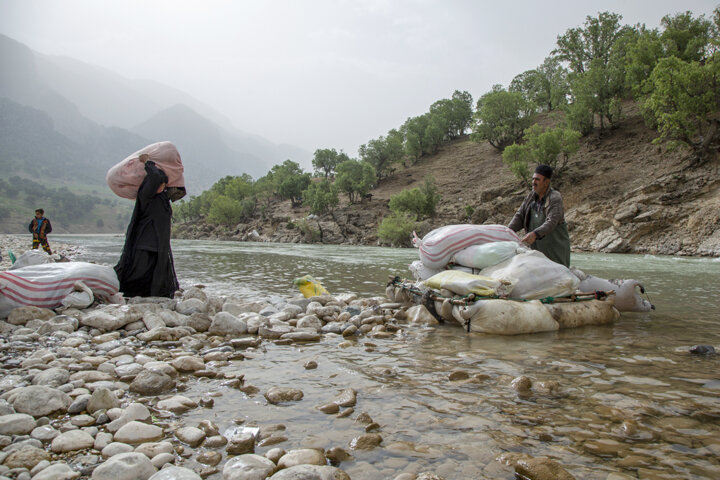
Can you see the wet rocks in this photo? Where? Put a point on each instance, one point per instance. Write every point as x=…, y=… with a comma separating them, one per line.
x=702, y=350
x=248, y=467
x=277, y=395
x=542, y=469
x=367, y=441
x=105, y=390
x=150, y=382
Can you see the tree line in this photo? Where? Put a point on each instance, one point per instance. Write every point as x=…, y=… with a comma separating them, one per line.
x=673, y=72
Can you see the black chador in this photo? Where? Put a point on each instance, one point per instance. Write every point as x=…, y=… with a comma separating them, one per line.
x=146, y=265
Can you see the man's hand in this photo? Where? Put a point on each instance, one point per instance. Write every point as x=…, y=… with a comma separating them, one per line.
x=529, y=239
x=144, y=158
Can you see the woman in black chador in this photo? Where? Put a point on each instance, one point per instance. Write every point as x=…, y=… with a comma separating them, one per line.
x=146, y=265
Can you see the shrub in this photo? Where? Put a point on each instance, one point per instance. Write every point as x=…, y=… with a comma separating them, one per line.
x=411, y=200
x=310, y=233
x=469, y=210
x=397, y=228
x=420, y=201
x=225, y=211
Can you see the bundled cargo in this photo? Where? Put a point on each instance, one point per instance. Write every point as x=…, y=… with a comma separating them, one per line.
x=463, y=283
x=439, y=246
x=48, y=285
x=534, y=276
x=125, y=177
x=485, y=255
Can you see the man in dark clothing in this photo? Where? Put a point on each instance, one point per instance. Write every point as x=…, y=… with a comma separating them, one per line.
x=40, y=227
x=542, y=215
x=146, y=266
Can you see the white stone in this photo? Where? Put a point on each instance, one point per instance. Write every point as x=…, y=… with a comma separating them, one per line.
x=136, y=432
x=188, y=363
x=193, y=436
x=125, y=466
x=302, y=456
x=311, y=472
x=225, y=323
x=248, y=467
x=175, y=473
x=17, y=424
x=116, y=448
x=152, y=449
x=37, y=400
x=58, y=471
x=177, y=404
x=71, y=441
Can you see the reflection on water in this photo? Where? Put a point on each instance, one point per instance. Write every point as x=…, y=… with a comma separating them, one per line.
x=631, y=399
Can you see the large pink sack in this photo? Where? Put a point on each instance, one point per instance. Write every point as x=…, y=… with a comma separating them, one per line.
x=438, y=246
x=125, y=177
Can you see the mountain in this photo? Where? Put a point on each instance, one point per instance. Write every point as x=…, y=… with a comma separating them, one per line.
x=31, y=147
x=85, y=100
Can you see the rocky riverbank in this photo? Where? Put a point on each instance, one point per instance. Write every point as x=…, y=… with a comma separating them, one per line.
x=100, y=393
x=622, y=194
x=19, y=244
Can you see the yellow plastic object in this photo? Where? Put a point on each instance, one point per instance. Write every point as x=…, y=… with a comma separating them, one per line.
x=310, y=287
x=462, y=283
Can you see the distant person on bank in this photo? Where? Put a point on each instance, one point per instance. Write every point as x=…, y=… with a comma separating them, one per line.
x=146, y=267
x=40, y=227
x=542, y=215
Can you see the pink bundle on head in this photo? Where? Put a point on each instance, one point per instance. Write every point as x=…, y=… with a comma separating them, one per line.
x=124, y=178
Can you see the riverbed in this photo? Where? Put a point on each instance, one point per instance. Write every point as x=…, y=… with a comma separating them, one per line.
x=632, y=402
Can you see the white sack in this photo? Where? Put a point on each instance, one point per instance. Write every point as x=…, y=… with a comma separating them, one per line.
x=32, y=257
x=506, y=317
x=81, y=297
x=438, y=246
x=421, y=272
x=485, y=255
x=534, y=276
x=627, y=296
x=45, y=286
x=463, y=283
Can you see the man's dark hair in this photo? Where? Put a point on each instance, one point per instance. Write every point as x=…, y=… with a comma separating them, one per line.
x=40, y=211
x=544, y=170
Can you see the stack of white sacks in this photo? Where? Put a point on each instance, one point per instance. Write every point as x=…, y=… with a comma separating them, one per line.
x=488, y=260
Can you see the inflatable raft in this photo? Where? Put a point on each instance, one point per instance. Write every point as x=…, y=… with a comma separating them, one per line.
x=503, y=316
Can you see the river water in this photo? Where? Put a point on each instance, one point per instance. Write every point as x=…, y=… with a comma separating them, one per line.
x=633, y=403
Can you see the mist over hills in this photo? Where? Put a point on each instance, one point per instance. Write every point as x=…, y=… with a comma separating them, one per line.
x=100, y=117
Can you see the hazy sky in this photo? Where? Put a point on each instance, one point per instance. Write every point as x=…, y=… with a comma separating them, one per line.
x=316, y=73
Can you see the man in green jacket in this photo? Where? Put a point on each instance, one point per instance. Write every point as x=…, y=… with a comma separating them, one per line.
x=543, y=217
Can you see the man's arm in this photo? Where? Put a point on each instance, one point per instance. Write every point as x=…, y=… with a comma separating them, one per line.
x=155, y=178
x=518, y=221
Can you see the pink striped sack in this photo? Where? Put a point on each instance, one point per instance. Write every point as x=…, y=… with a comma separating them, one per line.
x=46, y=285
x=438, y=246
x=125, y=178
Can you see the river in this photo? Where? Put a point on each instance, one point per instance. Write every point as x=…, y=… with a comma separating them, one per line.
x=633, y=402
